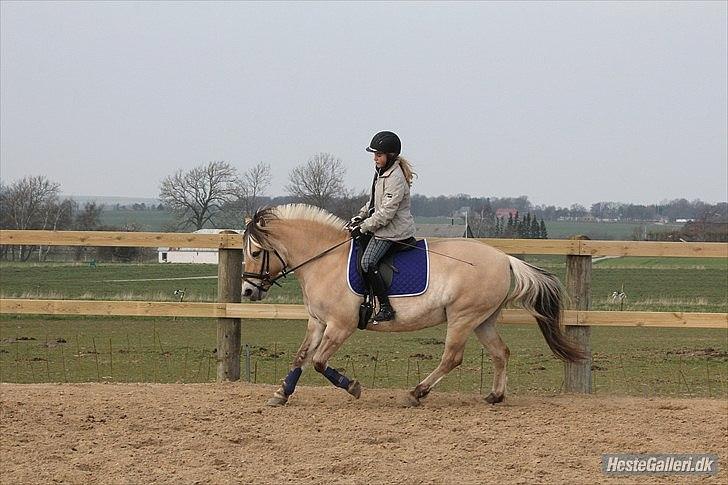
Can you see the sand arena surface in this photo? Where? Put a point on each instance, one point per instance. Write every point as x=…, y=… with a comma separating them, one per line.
x=223, y=433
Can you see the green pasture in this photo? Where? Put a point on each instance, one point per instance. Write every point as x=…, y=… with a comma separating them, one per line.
x=630, y=361
x=651, y=284
x=108, y=281
x=623, y=231
x=634, y=361
x=148, y=220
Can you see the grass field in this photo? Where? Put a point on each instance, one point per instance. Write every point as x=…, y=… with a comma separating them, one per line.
x=623, y=231
x=632, y=361
x=651, y=284
x=637, y=361
x=654, y=284
x=149, y=220
x=595, y=230
x=114, y=281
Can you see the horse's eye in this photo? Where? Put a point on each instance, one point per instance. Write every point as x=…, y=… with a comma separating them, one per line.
x=255, y=254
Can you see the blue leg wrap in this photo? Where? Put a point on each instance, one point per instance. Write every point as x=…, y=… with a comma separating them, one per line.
x=337, y=379
x=289, y=383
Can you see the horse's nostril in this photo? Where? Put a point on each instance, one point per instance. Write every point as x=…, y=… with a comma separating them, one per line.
x=247, y=292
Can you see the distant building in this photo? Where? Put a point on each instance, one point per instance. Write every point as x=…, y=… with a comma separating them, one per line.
x=505, y=213
x=192, y=255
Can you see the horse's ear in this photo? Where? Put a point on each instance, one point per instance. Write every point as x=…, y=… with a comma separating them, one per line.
x=255, y=221
x=261, y=217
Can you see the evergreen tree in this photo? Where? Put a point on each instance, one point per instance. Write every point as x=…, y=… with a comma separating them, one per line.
x=542, y=233
x=519, y=228
x=535, y=231
x=526, y=226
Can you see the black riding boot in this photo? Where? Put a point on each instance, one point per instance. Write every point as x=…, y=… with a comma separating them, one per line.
x=386, y=312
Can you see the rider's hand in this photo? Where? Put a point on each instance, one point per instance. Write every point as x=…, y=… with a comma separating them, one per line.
x=355, y=221
x=355, y=232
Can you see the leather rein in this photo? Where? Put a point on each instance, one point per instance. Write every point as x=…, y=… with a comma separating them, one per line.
x=264, y=275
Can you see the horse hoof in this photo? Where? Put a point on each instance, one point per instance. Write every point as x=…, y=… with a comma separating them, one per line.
x=354, y=389
x=493, y=399
x=277, y=401
x=411, y=401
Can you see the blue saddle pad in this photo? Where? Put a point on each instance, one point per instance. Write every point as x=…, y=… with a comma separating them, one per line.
x=410, y=278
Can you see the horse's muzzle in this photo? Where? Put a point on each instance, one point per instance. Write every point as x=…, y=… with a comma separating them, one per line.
x=252, y=292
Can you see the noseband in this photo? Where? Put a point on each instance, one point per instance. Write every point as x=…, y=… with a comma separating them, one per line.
x=264, y=275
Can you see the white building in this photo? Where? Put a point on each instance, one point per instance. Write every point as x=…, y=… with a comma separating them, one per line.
x=192, y=255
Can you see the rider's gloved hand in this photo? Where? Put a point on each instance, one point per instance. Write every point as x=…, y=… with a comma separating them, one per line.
x=355, y=232
x=355, y=221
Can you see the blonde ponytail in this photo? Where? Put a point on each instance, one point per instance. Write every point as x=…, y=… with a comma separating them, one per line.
x=406, y=166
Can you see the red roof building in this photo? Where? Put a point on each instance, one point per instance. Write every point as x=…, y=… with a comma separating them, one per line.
x=505, y=213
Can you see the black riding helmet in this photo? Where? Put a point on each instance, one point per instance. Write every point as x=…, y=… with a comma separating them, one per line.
x=385, y=142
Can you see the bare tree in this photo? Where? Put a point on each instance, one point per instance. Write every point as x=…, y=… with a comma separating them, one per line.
x=4, y=217
x=4, y=213
x=58, y=216
x=27, y=204
x=196, y=196
x=88, y=219
x=318, y=181
x=348, y=203
x=252, y=185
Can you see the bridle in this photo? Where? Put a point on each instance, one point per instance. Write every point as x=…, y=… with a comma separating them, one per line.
x=264, y=275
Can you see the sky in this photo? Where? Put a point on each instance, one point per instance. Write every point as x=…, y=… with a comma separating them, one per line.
x=565, y=102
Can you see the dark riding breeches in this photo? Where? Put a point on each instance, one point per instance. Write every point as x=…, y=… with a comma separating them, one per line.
x=376, y=249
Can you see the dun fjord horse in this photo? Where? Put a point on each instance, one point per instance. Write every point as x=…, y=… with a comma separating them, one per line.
x=467, y=297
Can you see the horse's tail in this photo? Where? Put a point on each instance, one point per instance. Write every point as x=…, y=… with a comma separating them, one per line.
x=541, y=294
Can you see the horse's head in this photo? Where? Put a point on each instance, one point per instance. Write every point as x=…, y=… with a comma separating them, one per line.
x=275, y=236
x=263, y=263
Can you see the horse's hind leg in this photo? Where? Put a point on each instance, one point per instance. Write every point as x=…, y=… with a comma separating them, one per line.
x=498, y=350
x=452, y=357
x=314, y=332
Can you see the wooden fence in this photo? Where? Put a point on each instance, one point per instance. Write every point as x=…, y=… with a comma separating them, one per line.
x=229, y=310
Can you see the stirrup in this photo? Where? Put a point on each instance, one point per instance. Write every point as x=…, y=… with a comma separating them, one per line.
x=385, y=313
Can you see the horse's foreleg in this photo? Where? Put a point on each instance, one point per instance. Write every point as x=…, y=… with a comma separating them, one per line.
x=455, y=340
x=499, y=353
x=333, y=339
x=314, y=333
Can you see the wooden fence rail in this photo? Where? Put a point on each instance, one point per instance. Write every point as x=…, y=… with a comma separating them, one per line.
x=229, y=311
x=298, y=312
x=574, y=247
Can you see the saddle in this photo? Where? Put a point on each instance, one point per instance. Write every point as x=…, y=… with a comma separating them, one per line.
x=405, y=272
x=386, y=265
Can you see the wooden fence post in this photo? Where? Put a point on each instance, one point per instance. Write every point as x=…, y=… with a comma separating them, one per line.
x=577, y=375
x=229, y=281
